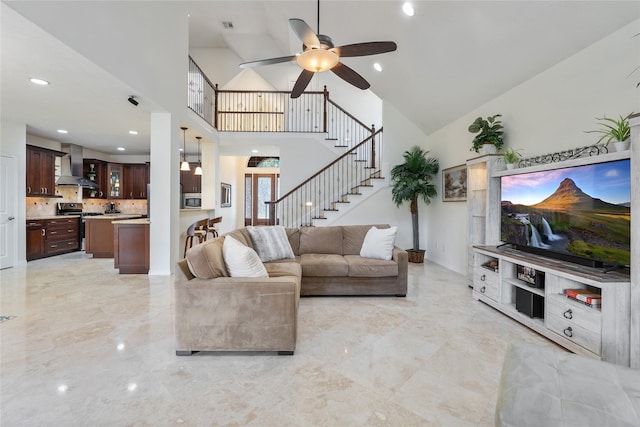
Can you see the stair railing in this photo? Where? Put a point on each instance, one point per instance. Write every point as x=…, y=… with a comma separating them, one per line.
x=330, y=187
x=272, y=111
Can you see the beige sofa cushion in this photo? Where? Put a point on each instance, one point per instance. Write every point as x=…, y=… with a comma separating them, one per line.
x=370, y=267
x=324, y=265
x=279, y=269
x=293, y=234
x=206, y=260
x=242, y=235
x=321, y=240
x=353, y=236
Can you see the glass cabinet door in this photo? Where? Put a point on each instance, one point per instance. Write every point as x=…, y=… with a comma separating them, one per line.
x=115, y=180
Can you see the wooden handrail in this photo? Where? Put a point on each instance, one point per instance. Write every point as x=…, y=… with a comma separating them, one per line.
x=324, y=169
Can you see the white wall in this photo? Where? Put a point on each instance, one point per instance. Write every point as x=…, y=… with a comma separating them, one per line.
x=13, y=144
x=220, y=65
x=545, y=114
x=232, y=172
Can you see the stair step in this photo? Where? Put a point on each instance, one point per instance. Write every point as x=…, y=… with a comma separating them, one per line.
x=352, y=194
x=369, y=167
x=330, y=210
x=360, y=160
x=341, y=146
x=376, y=177
x=318, y=217
x=331, y=139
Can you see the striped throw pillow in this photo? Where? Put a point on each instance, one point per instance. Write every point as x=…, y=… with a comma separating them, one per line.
x=271, y=242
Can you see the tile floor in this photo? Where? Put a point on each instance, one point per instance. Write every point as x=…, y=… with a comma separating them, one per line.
x=90, y=347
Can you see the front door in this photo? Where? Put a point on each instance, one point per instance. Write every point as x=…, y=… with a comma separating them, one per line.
x=259, y=188
x=7, y=211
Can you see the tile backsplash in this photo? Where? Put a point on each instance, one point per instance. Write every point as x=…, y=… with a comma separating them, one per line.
x=45, y=206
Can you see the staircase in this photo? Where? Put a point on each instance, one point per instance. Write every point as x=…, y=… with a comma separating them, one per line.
x=336, y=188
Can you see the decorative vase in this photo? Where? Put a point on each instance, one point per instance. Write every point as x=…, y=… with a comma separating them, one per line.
x=416, y=255
x=488, y=149
x=511, y=166
x=621, y=145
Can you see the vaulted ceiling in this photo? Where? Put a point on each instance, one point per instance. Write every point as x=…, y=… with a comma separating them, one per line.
x=452, y=56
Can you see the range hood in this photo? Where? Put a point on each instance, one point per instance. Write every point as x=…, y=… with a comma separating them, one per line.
x=71, y=168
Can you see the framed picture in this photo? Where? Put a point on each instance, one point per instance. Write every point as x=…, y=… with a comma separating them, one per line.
x=454, y=184
x=225, y=195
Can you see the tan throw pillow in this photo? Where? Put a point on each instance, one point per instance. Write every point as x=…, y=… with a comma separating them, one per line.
x=206, y=261
x=378, y=243
x=271, y=243
x=241, y=260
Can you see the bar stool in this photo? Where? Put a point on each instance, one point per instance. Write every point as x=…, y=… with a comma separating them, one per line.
x=196, y=230
x=211, y=227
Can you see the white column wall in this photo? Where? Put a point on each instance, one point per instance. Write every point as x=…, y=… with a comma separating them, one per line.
x=165, y=194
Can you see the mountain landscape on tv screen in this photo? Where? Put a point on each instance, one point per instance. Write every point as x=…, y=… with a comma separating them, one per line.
x=573, y=222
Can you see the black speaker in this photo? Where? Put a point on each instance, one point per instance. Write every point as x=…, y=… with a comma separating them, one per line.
x=529, y=303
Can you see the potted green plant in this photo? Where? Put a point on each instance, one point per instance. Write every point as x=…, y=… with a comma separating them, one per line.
x=616, y=131
x=511, y=157
x=489, y=134
x=413, y=180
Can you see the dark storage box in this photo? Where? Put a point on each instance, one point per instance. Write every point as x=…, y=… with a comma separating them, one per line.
x=529, y=303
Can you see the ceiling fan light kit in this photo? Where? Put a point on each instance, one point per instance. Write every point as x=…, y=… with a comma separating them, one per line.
x=320, y=55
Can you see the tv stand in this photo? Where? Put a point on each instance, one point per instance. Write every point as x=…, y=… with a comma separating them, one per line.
x=599, y=332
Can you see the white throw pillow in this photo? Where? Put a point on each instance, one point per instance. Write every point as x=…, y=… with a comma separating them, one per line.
x=241, y=260
x=378, y=243
x=271, y=242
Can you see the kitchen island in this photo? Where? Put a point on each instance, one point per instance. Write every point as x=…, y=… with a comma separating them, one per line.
x=99, y=240
x=131, y=246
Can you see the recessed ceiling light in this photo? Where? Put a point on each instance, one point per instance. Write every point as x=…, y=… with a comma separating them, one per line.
x=133, y=132
x=63, y=131
x=377, y=67
x=120, y=148
x=254, y=151
x=407, y=8
x=40, y=82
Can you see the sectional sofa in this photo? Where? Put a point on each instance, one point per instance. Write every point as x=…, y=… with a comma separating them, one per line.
x=215, y=312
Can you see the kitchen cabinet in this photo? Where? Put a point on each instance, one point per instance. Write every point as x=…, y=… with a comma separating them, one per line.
x=189, y=182
x=114, y=180
x=131, y=246
x=48, y=237
x=41, y=171
x=96, y=171
x=35, y=239
x=62, y=235
x=135, y=179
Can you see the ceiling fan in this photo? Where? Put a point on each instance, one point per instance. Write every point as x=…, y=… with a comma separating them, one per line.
x=319, y=54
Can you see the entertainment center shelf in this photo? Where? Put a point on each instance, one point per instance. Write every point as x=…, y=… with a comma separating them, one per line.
x=592, y=331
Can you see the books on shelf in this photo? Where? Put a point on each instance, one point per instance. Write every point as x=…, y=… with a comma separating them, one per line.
x=584, y=296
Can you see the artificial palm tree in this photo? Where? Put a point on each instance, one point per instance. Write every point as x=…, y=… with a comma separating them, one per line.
x=412, y=180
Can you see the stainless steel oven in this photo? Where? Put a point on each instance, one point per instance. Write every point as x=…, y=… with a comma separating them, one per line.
x=191, y=200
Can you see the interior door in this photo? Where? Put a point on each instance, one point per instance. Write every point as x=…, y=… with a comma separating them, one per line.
x=7, y=211
x=259, y=188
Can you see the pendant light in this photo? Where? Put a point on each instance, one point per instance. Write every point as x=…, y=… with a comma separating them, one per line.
x=199, y=167
x=184, y=166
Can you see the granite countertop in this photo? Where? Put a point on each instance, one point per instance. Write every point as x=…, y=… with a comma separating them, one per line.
x=140, y=221
x=36, y=218
x=111, y=217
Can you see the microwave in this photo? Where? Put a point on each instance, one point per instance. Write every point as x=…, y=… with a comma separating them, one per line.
x=191, y=200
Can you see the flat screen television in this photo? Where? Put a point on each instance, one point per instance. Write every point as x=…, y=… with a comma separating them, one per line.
x=580, y=214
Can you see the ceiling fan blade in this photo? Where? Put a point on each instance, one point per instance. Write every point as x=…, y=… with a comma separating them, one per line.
x=301, y=83
x=304, y=32
x=350, y=76
x=267, y=61
x=364, y=49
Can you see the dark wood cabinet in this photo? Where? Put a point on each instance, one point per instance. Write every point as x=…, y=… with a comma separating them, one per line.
x=135, y=179
x=114, y=180
x=35, y=239
x=189, y=182
x=50, y=237
x=41, y=171
x=96, y=171
x=131, y=247
x=62, y=235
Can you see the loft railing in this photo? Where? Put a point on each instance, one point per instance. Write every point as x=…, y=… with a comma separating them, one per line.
x=331, y=186
x=272, y=111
